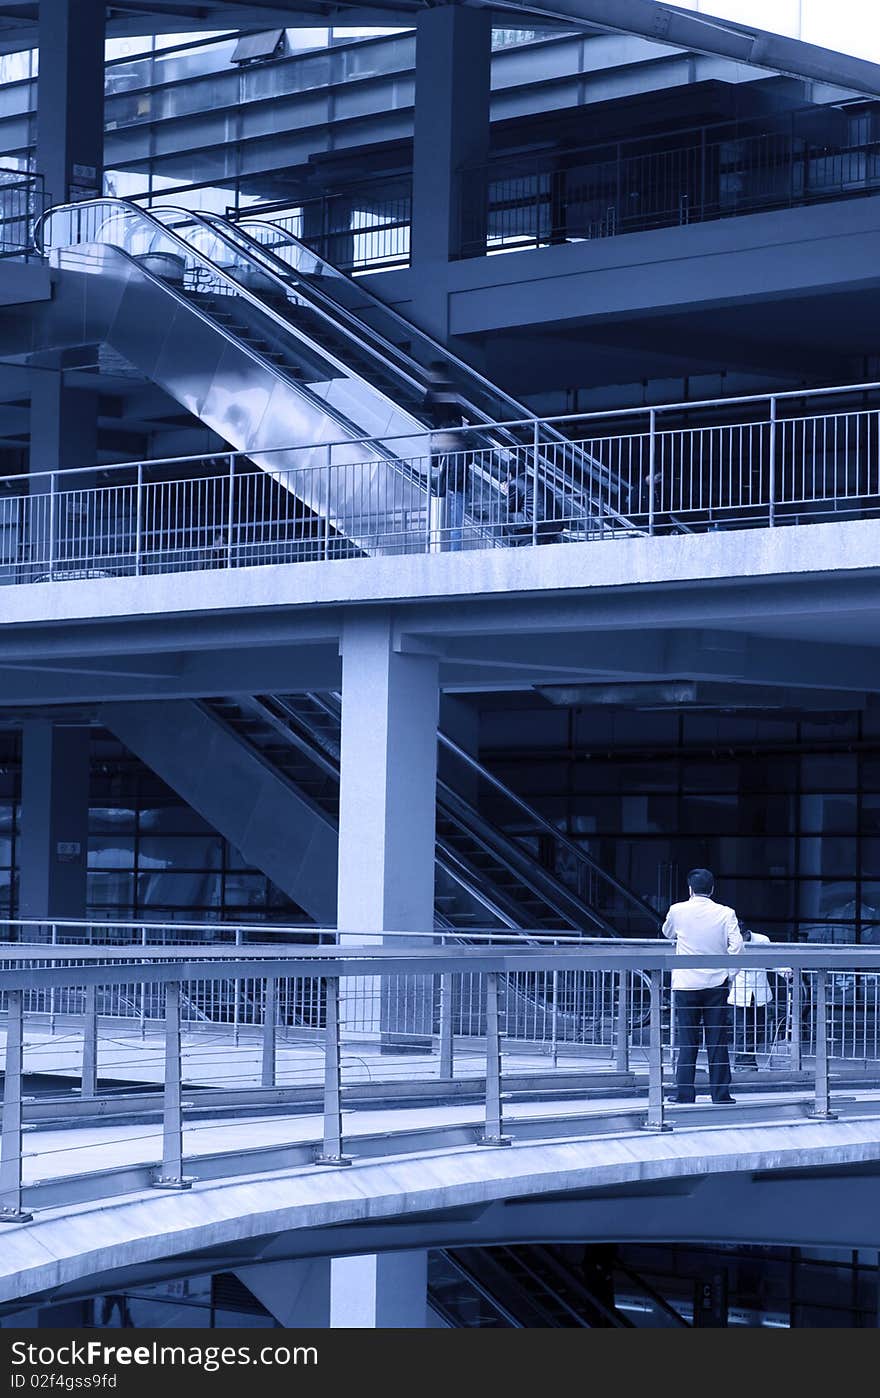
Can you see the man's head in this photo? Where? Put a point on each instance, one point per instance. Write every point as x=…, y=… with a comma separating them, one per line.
x=701, y=881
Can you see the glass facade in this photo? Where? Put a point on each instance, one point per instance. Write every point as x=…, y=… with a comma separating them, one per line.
x=784, y=809
x=150, y=856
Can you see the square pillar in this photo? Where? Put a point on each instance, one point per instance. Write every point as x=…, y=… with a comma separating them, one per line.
x=379, y=1291
x=70, y=99
x=53, y=849
x=387, y=805
x=451, y=130
x=63, y=435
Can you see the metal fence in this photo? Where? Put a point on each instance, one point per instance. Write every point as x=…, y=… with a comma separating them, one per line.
x=763, y=461
x=435, y=997
x=23, y=200
x=696, y=175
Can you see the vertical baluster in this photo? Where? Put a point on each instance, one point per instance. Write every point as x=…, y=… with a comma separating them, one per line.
x=89, y=1086
x=230, y=516
x=171, y=1171
x=270, y=998
x=654, y=1121
x=447, y=1043
x=331, y=1154
x=822, y=1105
x=11, y=1130
x=493, y=1135
x=621, y=1053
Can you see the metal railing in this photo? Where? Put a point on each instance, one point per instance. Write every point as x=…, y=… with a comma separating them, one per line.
x=788, y=458
x=23, y=201
x=394, y=994
x=365, y=227
x=692, y=176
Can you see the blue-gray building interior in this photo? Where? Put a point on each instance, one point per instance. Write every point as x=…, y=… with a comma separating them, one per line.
x=560, y=218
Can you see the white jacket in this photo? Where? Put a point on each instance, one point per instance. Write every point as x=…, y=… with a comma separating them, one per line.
x=701, y=925
x=753, y=985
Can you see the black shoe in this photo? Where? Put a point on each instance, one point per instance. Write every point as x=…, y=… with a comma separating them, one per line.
x=724, y=1101
x=681, y=1101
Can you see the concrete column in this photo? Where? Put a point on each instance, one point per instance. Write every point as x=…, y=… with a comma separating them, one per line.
x=453, y=53
x=388, y=778
x=70, y=98
x=63, y=435
x=388, y=1290
x=379, y=1291
x=54, y=820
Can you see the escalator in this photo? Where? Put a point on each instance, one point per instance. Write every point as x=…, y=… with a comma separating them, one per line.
x=267, y=346
x=524, y=1286
x=485, y=877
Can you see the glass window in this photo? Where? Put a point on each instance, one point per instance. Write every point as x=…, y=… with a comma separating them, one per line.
x=830, y=813
x=111, y=852
x=829, y=772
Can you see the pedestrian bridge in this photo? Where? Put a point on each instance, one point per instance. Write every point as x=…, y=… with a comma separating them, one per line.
x=402, y=1098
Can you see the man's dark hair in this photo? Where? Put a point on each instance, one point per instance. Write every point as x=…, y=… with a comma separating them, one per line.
x=701, y=881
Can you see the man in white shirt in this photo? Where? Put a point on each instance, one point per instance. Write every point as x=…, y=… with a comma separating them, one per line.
x=752, y=998
x=702, y=925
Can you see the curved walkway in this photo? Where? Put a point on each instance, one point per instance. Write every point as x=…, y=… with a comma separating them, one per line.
x=407, y=1174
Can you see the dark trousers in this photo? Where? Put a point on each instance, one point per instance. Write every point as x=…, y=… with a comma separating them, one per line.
x=706, y=1011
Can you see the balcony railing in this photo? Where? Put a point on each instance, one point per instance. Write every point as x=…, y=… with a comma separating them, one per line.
x=725, y=464
x=479, y=1012
x=23, y=200
x=707, y=173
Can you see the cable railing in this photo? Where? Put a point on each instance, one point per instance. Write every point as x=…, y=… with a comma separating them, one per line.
x=409, y=991
x=751, y=462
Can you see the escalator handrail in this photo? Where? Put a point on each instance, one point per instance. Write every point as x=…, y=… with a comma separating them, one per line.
x=495, y=843
x=339, y=316
x=549, y=828
x=134, y=210
x=441, y=352
x=534, y=816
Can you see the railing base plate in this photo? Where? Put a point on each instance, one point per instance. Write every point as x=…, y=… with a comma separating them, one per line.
x=816, y=1114
x=648, y=1125
x=495, y=1140
x=333, y=1160
x=160, y=1182
x=15, y=1216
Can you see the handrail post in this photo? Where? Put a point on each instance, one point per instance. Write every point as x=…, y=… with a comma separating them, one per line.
x=171, y=1171
x=493, y=1135
x=52, y=522
x=52, y=996
x=535, y=483
x=771, y=466
x=822, y=1105
x=797, y=1044
x=331, y=1153
x=621, y=1047
x=652, y=461
x=236, y=1010
x=230, y=510
x=554, y=1020
x=654, y=1121
x=12, y=1131
x=138, y=519
x=447, y=1040
x=329, y=471
x=270, y=998
x=89, y=1087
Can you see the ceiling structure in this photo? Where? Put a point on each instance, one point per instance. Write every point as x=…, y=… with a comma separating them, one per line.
x=648, y=19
